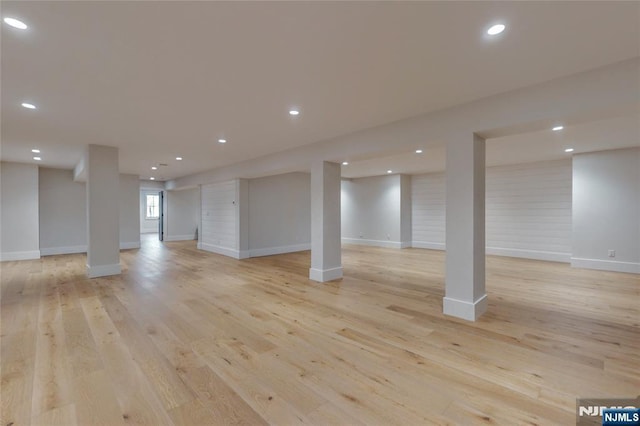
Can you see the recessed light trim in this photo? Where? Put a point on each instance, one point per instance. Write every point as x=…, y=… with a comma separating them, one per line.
x=569, y=150
x=294, y=112
x=179, y=158
x=27, y=105
x=389, y=171
x=222, y=141
x=15, y=23
x=37, y=158
x=418, y=151
x=557, y=128
x=152, y=178
x=345, y=163
x=35, y=151
x=154, y=168
x=496, y=29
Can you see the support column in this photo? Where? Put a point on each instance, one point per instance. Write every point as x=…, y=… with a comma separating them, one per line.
x=326, y=250
x=103, y=211
x=465, y=295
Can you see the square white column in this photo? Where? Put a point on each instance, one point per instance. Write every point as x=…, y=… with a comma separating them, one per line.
x=465, y=295
x=326, y=250
x=103, y=211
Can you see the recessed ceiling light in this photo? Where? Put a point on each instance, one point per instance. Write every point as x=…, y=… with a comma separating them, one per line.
x=496, y=29
x=389, y=171
x=15, y=23
x=154, y=168
x=345, y=163
x=222, y=141
x=37, y=158
x=418, y=151
x=35, y=151
x=568, y=150
x=28, y=105
x=294, y=112
x=152, y=178
x=179, y=158
x=555, y=129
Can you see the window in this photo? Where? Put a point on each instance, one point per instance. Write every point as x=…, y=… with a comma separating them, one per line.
x=152, y=207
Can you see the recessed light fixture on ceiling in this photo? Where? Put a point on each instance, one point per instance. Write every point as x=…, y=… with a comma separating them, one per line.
x=222, y=141
x=37, y=158
x=294, y=112
x=27, y=105
x=152, y=178
x=345, y=163
x=35, y=151
x=389, y=171
x=555, y=129
x=179, y=158
x=496, y=29
x=418, y=151
x=15, y=23
x=154, y=168
x=568, y=150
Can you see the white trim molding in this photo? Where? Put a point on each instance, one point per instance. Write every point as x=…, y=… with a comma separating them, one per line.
x=325, y=275
x=376, y=243
x=530, y=254
x=130, y=245
x=103, y=270
x=428, y=245
x=465, y=310
x=187, y=237
x=225, y=251
x=269, y=251
x=20, y=255
x=606, y=265
x=53, y=251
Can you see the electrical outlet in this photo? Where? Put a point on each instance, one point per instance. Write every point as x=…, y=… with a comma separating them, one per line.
x=612, y=253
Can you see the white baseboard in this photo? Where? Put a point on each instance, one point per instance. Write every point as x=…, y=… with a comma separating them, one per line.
x=606, y=265
x=130, y=245
x=428, y=245
x=465, y=310
x=324, y=275
x=269, y=251
x=530, y=254
x=19, y=255
x=187, y=237
x=103, y=270
x=225, y=251
x=53, y=251
x=375, y=243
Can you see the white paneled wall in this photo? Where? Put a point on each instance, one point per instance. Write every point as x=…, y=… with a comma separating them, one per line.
x=219, y=233
x=528, y=210
x=428, y=211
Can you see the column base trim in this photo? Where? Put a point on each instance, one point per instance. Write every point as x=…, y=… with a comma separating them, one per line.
x=103, y=270
x=465, y=310
x=324, y=275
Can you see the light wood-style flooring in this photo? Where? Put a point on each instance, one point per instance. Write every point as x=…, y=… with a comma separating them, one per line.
x=187, y=337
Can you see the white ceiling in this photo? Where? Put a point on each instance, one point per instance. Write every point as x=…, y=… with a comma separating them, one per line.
x=162, y=79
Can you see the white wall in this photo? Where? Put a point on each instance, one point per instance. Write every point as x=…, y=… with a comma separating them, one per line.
x=606, y=213
x=129, y=222
x=371, y=211
x=279, y=214
x=147, y=226
x=63, y=216
x=220, y=220
x=19, y=224
x=181, y=214
x=528, y=210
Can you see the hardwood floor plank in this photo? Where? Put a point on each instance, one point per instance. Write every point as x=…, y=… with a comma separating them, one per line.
x=184, y=337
